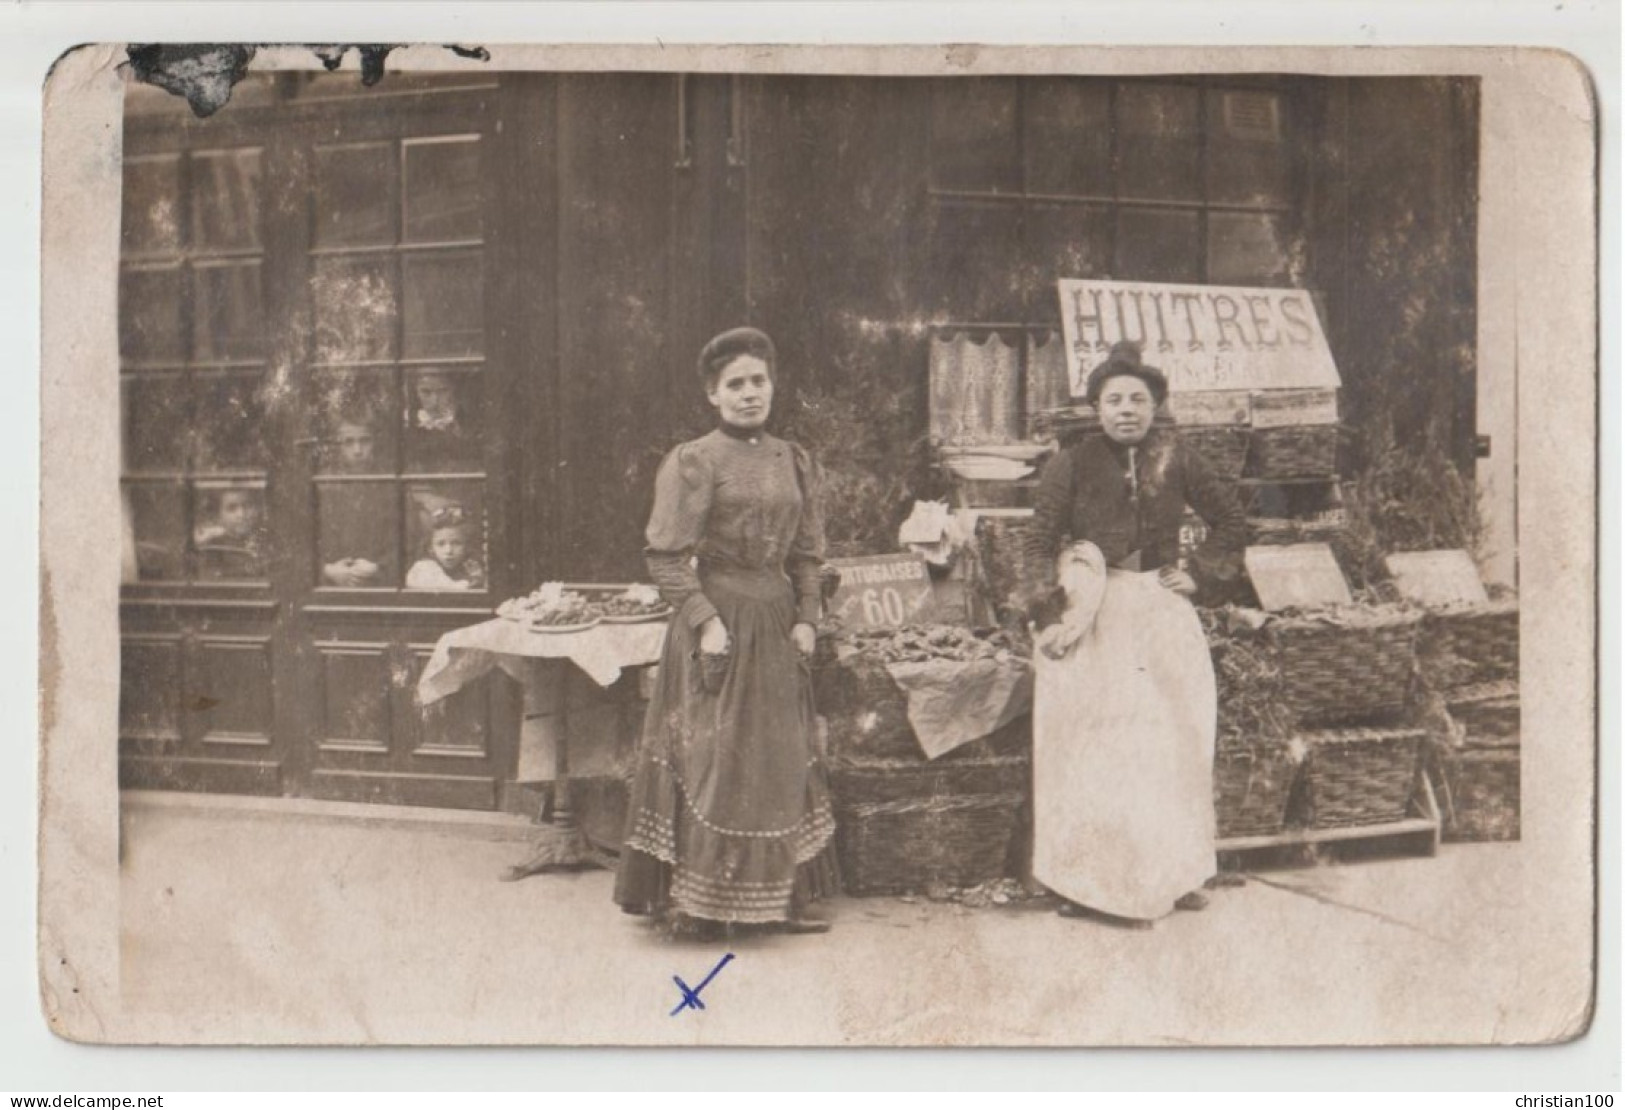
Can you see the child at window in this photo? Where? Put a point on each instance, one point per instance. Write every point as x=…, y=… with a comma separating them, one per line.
x=231, y=545
x=448, y=565
x=437, y=436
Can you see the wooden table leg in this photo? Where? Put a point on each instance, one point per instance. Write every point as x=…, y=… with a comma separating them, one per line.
x=560, y=844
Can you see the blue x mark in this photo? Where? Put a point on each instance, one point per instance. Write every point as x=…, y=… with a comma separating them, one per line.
x=691, y=996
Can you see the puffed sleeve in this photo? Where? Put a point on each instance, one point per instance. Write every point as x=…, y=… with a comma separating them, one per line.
x=682, y=505
x=1215, y=500
x=805, y=560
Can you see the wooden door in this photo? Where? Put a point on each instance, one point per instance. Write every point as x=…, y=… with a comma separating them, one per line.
x=316, y=440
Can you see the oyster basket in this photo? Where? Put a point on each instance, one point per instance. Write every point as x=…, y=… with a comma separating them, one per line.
x=1482, y=795
x=865, y=711
x=1482, y=639
x=1251, y=788
x=1360, y=776
x=1223, y=449
x=1293, y=452
x=914, y=841
x=1335, y=672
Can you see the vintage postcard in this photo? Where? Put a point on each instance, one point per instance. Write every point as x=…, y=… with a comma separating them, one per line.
x=819, y=546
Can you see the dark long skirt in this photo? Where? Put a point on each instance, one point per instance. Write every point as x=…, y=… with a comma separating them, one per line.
x=730, y=817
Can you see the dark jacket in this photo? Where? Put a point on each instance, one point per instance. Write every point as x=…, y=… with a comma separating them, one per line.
x=1087, y=492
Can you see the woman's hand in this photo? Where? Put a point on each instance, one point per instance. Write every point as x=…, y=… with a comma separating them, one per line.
x=1173, y=578
x=805, y=637
x=1058, y=639
x=714, y=637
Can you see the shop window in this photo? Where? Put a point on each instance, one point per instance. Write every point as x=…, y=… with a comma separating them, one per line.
x=193, y=353
x=1036, y=179
x=398, y=383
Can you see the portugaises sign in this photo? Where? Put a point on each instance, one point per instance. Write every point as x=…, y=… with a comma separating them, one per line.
x=1203, y=337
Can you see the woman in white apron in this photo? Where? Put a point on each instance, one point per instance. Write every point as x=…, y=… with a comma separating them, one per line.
x=1125, y=711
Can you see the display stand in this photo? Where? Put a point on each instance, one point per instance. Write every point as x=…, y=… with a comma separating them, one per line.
x=1420, y=832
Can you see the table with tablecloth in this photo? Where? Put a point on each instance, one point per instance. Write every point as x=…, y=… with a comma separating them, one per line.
x=602, y=652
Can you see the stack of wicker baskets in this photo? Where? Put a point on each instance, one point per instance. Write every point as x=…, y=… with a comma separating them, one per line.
x=905, y=824
x=1346, y=678
x=1471, y=653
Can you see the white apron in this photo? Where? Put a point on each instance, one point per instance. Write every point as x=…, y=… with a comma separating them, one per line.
x=1123, y=731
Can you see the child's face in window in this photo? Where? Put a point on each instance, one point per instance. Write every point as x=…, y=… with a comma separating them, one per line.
x=437, y=397
x=355, y=445
x=239, y=512
x=449, y=547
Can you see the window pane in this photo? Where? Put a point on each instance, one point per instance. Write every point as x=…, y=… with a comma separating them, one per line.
x=443, y=190
x=355, y=305
x=155, y=422
x=974, y=144
x=1159, y=142
x=228, y=315
x=1069, y=137
x=1157, y=246
x=150, y=302
x=158, y=518
x=230, y=415
x=976, y=259
x=355, y=412
x=442, y=422
x=445, y=534
x=358, y=534
x=229, y=536
x=1246, y=250
x=357, y=195
x=151, y=218
x=226, y=200
x=444, y=304
x=1246, y=158
x=1065, y=241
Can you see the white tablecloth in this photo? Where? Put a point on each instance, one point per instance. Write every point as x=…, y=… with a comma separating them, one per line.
x=464, y=654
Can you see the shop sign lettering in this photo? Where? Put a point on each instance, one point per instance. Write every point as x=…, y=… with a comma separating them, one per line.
x=880, y=591
x=1204, y=337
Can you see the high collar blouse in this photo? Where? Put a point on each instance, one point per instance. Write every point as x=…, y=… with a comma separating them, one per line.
x=735, y=503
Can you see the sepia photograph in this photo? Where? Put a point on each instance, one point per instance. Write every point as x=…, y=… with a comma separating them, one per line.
x=784, y=548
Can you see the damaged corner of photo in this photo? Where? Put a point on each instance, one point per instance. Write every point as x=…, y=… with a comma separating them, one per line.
x=1184, y=568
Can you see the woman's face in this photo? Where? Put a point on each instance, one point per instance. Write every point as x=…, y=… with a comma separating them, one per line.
x=1126, y=408
x=743, y=393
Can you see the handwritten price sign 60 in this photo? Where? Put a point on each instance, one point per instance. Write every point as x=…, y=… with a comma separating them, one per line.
x=881, y=591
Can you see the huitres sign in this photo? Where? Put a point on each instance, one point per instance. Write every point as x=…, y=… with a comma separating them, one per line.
x=1204, y=337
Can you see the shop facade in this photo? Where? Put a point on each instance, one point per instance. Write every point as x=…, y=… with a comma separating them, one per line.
x=352, y=318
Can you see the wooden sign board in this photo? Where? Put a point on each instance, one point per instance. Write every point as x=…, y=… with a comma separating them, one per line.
x=1203, y=337
x=1296, y=576
x=1438, y=577
x=1286, y=408
x=881, y=591
x=1219, y=408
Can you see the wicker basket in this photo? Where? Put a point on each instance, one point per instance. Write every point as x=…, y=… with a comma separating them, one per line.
x=1224, y=450
x=1482, y=795
x=1481, y=641
x=866, y=711
x=1294, y=452
x=1251, y=788
x=1360, y=776
x=1489, y=716
x=909, y=846
x=961, y=773
x=1333, y=672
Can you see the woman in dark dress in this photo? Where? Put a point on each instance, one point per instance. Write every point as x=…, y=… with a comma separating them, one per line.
x=730, y=819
